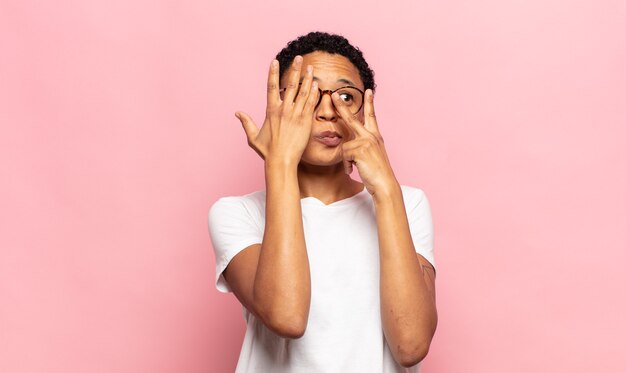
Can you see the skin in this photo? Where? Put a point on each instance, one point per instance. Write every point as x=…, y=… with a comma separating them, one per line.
x=272, y=279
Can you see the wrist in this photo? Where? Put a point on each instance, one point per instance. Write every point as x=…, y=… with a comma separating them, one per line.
x=281, y=179
x=387, y=192
x=281, y=162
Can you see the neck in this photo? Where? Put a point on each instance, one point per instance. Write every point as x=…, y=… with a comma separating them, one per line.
x=326, y=183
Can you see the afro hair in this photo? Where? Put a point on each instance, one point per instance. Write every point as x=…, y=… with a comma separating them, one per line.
x=330, y=43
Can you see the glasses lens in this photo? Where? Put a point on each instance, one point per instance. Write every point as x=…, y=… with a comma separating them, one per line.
x=352, y=97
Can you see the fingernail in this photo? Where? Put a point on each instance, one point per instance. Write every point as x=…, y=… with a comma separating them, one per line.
x=274, y=63
x=238, y=115
x=298, y=59
x=309, y=69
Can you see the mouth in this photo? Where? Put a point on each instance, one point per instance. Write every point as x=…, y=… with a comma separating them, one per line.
x=329, y=138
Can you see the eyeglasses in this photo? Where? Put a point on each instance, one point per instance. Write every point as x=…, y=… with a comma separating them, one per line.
x=351, y=96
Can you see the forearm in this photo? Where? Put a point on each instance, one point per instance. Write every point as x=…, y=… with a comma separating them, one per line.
x=408, y=310
x=282, y=286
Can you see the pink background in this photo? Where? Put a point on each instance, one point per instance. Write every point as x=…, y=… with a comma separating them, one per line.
x=117, y=134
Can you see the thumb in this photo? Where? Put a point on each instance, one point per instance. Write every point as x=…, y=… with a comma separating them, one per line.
x=347, y=163
x=347, y=167
x=248, y=125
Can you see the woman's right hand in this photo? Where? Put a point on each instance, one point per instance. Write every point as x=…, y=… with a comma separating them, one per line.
x=287, y=127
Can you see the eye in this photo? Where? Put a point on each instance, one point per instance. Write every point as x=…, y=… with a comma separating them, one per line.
x=346, y=97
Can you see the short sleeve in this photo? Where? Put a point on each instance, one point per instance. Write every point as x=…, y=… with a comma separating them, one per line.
x=233, y=226
x=420, y=223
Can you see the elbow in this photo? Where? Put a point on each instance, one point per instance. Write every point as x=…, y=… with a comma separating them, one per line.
x=291, y=328
x=286, y=326
x=285, y=319
x=412, y=349
x=409, y=355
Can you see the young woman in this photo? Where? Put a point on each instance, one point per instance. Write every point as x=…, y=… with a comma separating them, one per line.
x=334, y=275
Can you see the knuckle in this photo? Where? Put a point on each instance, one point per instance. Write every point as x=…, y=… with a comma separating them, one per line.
x=272, y=109
x=272, y=86
x=286, y=112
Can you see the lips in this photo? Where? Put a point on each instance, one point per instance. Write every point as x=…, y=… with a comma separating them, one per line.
x=329, y=138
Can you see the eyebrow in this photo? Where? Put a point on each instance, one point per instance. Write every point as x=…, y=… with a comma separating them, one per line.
x=342, y=80
x=346, y=81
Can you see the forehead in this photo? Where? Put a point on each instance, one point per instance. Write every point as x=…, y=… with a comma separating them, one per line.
x=330, y=70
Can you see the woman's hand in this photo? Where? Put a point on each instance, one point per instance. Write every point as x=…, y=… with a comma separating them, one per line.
x=287, y=127
x=367, y=149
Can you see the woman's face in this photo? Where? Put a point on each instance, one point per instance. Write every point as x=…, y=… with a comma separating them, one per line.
x=331, y=71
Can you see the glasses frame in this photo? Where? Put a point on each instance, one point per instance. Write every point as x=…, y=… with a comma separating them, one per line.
x=330, y=92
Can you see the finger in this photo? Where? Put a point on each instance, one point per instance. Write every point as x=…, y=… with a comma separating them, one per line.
x=273, y=81
x=293, y=79
x=249, y=127
x=348, y=159
x=311, y=102
x=370, y=116
x=347, y=167
x=351, y=120
x=305, y=90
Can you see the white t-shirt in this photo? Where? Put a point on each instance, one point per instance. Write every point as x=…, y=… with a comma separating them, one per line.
x=344, y=331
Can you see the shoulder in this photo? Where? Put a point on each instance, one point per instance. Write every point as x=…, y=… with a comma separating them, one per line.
x=250, y=199
x=252, y=204
x=412, y=195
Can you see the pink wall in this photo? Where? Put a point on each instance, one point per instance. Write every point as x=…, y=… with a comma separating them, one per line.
x=117, y=134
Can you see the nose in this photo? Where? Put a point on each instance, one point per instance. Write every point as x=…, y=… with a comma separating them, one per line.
x=325, y=108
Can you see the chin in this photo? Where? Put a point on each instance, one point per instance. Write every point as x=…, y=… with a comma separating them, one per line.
x=321, y=160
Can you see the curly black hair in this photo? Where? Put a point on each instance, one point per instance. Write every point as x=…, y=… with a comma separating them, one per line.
x=330, y=43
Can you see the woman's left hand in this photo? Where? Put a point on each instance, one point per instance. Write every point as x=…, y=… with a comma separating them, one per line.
x=366, y=150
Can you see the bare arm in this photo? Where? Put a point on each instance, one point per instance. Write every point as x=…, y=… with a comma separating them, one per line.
x=273, y=279
x=282, y=287
x=407, y=283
